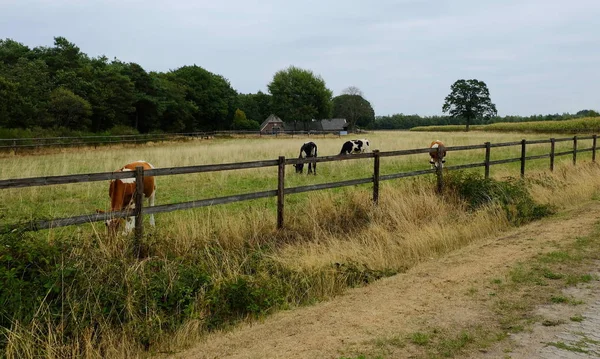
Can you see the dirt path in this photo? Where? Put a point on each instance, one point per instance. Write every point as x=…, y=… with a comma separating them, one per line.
x=432, y=294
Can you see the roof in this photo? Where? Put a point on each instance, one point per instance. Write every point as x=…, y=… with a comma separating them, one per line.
x=270, y=119
x=334, y=124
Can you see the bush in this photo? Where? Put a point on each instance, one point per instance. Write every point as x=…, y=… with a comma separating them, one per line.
x=511, y=195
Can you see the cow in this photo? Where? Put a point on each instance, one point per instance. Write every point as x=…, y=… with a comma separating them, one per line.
x=433, y=153
x=122, y=197
x=308, y=150
x=355, y=146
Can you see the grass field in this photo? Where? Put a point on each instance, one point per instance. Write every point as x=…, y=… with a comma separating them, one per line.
x=68, y=200
x=206, y=268
x=587, y=125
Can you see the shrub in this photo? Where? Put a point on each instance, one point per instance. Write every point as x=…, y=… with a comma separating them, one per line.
x=511, y=195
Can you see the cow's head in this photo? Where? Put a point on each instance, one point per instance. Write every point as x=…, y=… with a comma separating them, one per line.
x=113, y=225
x=299, y=167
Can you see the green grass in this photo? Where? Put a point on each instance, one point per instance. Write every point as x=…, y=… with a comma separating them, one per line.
x=582, y=125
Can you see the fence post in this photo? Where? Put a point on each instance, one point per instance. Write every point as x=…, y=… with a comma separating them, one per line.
x=487, y=159
x=552, y=148
x=15, y=146
x=376, y=159
x=594, y=148
x=139, y=203
x=574, y=150
x=523, y=142
x=280, y=190
x=438, y=170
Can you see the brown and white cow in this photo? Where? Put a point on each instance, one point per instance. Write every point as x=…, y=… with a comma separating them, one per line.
x=122, y=197
x=433, y=153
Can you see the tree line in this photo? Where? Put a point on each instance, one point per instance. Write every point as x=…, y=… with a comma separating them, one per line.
x=61, y=88
x=404, y=121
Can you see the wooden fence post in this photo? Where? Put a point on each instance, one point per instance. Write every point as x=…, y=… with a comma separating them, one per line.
x=574, y=150
x=438, y=170
x=487, y=159
x=523, y=143
x=139, y=203
x=376, y=159
x=552, y=150
x=280, y=190
x=594, y=148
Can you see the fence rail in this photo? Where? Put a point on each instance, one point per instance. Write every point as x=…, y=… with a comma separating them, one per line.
x=281, y=190
x=16, y=144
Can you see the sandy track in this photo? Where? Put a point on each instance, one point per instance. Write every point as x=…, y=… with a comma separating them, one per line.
x=430, y=294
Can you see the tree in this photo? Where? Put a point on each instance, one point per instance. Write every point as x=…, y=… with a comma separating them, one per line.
x=352, y=106
x=212, y=94
x=470, y=100
x=299, y=96
x=240, y=122
x=69, y=110
x=256, y=106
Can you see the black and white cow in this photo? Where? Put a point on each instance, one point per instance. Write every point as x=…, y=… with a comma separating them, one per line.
x=355, y=146
x=308, y=149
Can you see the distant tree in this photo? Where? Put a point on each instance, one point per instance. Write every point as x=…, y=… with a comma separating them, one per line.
x=69, y=110
x=32, y=87
x=352, y=106
x=9, y=103
x=175, y=112
x=240, y=122
x=470, y=100
x=212, y=94
x=299, y=96
x=112, y=96
x=11, y=51
x=587, y=113
x=256, y=106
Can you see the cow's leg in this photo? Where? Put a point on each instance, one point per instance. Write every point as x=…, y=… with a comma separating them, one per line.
x=151, y=204
x=315, y=168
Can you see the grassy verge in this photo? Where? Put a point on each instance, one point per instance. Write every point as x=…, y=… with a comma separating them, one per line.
x=581, y=125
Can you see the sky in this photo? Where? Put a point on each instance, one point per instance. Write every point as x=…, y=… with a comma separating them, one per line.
x=536, y=56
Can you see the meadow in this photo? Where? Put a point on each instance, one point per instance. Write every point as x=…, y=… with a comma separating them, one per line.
x=588, y=125
x=210, y=267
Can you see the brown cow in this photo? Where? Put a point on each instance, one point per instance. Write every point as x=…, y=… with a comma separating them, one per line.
x=433, y=153
x=122, y=191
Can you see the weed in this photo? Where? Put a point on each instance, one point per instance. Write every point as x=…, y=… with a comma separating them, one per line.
x=419, y=338
x=564, y=346
x=577, y=318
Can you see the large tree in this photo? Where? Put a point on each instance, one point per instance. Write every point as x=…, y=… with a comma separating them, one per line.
x=212, y=94
x=299, y=96
x=470, y=100
x=352, y=106
x=69, y=110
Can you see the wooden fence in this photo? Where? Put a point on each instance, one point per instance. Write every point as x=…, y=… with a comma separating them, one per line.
x=19, y=144
x=281, y=190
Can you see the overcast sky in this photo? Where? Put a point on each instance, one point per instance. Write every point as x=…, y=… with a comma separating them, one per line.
x=536, y=56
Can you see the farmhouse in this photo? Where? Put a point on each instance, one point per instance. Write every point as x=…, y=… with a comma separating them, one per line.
x=330, y=125
x=272, y=124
